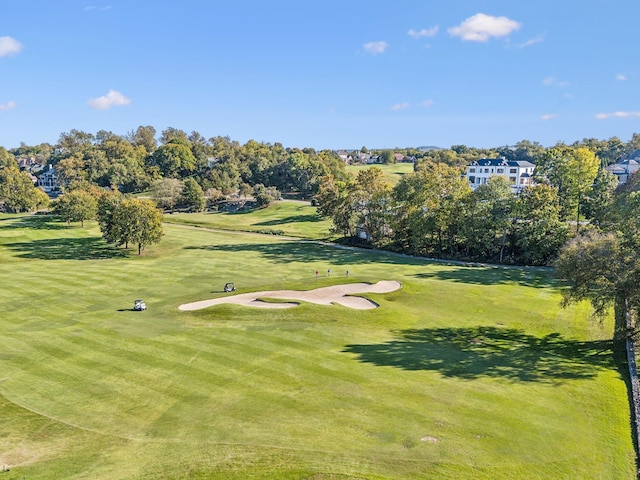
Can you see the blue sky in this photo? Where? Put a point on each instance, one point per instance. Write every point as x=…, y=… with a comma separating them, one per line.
x=323, y=74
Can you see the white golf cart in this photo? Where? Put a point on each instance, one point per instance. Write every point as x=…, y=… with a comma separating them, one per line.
x=139, y=305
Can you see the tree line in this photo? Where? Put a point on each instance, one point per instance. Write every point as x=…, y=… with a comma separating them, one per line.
x=431, y=212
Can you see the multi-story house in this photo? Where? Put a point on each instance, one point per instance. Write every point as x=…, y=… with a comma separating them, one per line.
x=518, y=172
x=48, y=181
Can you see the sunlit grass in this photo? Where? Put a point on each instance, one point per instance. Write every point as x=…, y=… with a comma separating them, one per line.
x=392, y=173
x=466, y=373
x=290, y=218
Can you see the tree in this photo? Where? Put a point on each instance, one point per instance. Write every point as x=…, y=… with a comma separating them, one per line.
x=598, y=202
x=265, y=195
x=137, y=221
x=17, y=192
x=430, y=210
x=596, y=267
x=489, y=211
x=604, y=267
x=42, y=200
x=387, y=157
x=174, y=158
x=144, y=137
x=7, y=159
x=166, y=192
x=537, y=231
x=570, y=170
x=370, y=201
x=71, y=171
x=192, y=195
x=76, y=206
x=106, y=208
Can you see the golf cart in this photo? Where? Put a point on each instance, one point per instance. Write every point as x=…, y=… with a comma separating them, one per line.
x=229, y=287
x=139, y=305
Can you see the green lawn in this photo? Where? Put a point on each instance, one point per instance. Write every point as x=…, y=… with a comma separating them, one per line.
x=290, y=217
x=464, y=373
x=392, y=173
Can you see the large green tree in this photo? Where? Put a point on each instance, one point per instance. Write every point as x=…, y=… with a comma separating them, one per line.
x=17, y=191
x=108, y=202
x=192, y=196
x=572, y=171
x=137, y=222
x=76, y=206
x=537, y=232
x=489, y=210
x=174, y=158
x=430, y=210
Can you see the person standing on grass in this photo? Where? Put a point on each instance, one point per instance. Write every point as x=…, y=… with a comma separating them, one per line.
x=347, y=274
x=317, y=273
x=329, y=273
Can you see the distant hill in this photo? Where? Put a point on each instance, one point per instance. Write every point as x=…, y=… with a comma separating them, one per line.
x=430, y=147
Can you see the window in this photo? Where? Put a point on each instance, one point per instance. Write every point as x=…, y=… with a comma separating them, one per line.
x=512, y=180
x=486, y=170
x=513, y=170
x=472, y=179
x=472, y=170
x=500, y=170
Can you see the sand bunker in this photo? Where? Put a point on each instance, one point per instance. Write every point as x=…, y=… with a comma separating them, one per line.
x=339, y=294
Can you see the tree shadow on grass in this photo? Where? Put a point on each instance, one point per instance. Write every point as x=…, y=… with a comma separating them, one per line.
x=494, y=275
x=304, y=251
x=471, y=353
x=36, y=222
x=68, y=249
x=291, y=219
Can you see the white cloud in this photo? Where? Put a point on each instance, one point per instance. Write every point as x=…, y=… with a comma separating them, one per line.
x=554, y=82
x=481, y=27
x=8, y=105
x=9, y=46
x=532, y=41
x=400, y=106
x=375, y=48
x=549, y=116
x=427, y=103
x=604, y=116
x=111, y=99
x=425, y=32
x=621, y=77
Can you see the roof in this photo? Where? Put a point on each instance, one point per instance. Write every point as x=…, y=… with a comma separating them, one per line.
x=501, y=162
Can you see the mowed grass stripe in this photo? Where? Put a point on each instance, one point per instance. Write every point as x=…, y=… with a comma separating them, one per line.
x=351, y=394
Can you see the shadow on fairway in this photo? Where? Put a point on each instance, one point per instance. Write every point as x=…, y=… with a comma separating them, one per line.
x=291, y=219
x=471, y=353
x=37, y=222
x=67, y=249
x=303, y=251
x=493, y=275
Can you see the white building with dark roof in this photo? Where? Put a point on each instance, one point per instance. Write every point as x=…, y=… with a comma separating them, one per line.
x=625, y=167
x=48, y=181
x=518, y=172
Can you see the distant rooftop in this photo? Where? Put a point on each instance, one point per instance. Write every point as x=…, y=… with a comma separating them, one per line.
x=497, y=162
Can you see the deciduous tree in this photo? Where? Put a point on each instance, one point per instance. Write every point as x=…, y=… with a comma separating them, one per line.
x=192, y=196
x=137, y=221
x=76, y=206
x=17, y=192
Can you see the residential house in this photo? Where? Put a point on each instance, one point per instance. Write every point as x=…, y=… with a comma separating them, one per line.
x=625, y=166
x=48, y=181
x=518, y=172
